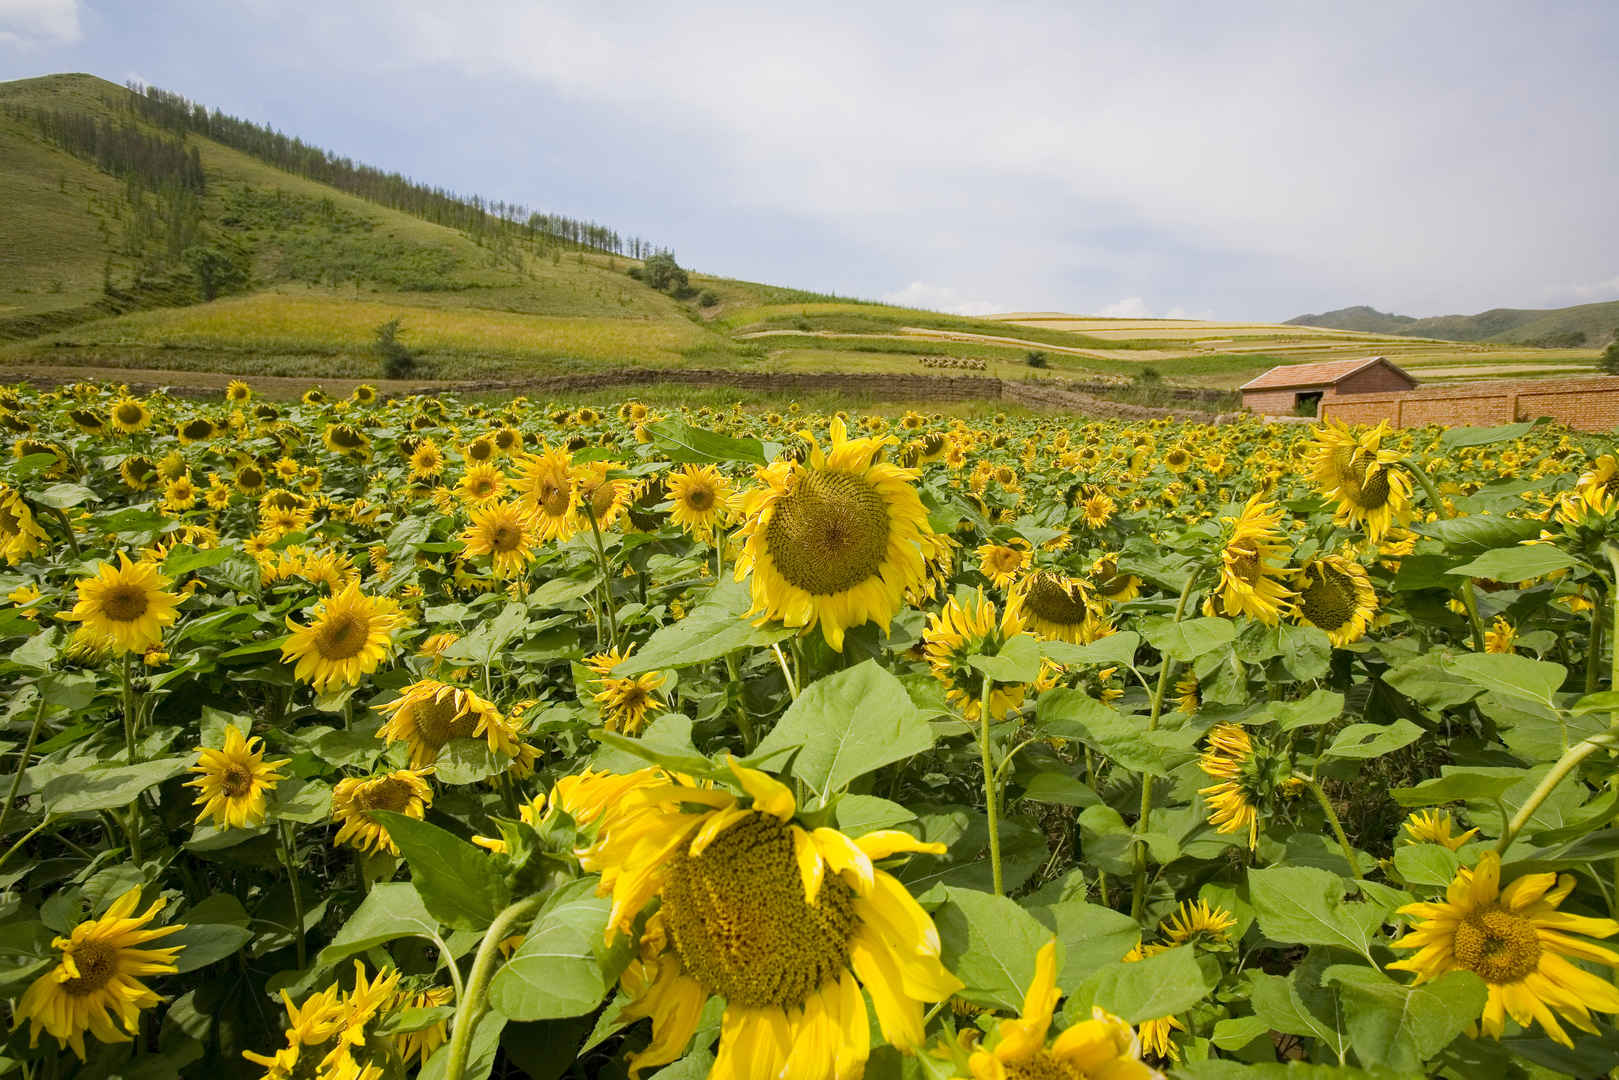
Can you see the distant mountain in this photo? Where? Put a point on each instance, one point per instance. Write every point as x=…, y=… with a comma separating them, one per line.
x=1570, y=327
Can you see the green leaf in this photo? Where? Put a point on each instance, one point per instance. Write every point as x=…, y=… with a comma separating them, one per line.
x=1432, y=865
x=990, y=943
x=467, y=761
x=1090, y=935
x=1281, y=1003
x=1059, y=788
x=1514, y=676
x=1362, y=741
x=1115, y=650
x=1017, y=662
x=206, y=943
x=1478, y=533
x=482, y=1048
x=1458, y=785
x=861, y=814
x=1236, y=1032
x=1073, y=714
x=1190, y=638
x=89, y=790
x=1483, y=436
x=1170, y=982
x=392, y=909
x=65, y=496
x=457, y=882
x=1604, y=701
x=1305, y=650
x=556, y=972
x=710, y=631
x=1516, y=564
x=681, y=442
x=1301, y=905
x=1401, y=1026
x=1321, y=707
x=846, y=725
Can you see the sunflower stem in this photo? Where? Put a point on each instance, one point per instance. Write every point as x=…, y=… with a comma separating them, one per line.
x=22, y=762
x=1138, y=894
x=1564, y=765
x=744, y=722
x=27, y=836
x=991, y=786
x=470, y=1008
x=133, y=827
x=290, y=861
x=1613, y=603
x=1469, y=598
x=719, y=554
x=607, y=577
x=1332, y=819
x=67, y=527
x=781, y=661
x=1593, y=648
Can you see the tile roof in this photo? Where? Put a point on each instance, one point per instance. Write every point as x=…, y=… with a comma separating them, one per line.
x=1324, y=373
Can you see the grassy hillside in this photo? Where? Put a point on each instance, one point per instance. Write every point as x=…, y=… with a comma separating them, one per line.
x=1591, y=325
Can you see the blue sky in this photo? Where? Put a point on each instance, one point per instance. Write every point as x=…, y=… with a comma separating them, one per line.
x=1237, y=160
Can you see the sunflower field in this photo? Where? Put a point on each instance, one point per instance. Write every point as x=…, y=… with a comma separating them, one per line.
x=361, y=739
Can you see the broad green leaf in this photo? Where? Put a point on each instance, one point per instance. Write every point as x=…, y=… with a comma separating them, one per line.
x=1401, y=1026
x=482, y=1048
x=1427, y=680
x=1060, y=788
x=681, y=442
x=1321, y=707
x=990, y=943
x=1236, y=1032
x=1170, y=982
x=467, y=761
x=1017, y=662
x=1483, y=436
x=1514, y=676
x=1306, y=650
x=110, y=788
x=710, y=631
x=1073, y=714
x=1090, y=935
x=1190, y=638
x=1478, y=533
x=556, y=972
x=1362, y=741
x=1279, y=1001
x=1516, y=564
x=392, y=909
x=846, y=725
x=559, y=592
x=1432, y=865
x=65, y=496
x=860, y=814
x=207, y=942
x=1301, y=905
x=1115, y=650
x=457, y=882
x=1458, y=785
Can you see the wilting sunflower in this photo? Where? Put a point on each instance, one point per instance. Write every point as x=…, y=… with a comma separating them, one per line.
x=329, y=1036
x=959, y=631
x=403, y=791
x=99, y=977
x=1002, y=563
x=21, y=536
x=546, y=484
x=347, y=440
x=89, y=421
x=699, y=495
x=625, y=703
x=504, y=531
x=835, y=541
x=138, y=472
x=234, y=780
x=1250, y=581
x=1055, y=607
x=1336, y=595
x=481, y=483
x=777, y=918
x=124, y=607
x=1501, y=637
x=129, y=415
x=1516, y=940
x=1366, y=481
x=1434, y=827
x=346, y=639
x=421, y=1043
x=427, y=715
x=1103, y=1047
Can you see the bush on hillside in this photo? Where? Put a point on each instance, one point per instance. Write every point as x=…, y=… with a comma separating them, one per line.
x=1035, y=358
x=708, y=298
x=1609, y=361
x=397, y=361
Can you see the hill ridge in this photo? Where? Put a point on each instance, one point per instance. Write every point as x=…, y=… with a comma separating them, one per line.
x=1580, y=325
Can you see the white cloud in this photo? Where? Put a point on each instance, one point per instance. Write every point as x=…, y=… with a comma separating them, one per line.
x=1596, y=290
x=922, y=294
x=31, y=23
x=1134, y=307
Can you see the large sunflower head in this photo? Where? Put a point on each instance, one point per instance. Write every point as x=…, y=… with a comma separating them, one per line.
x=233, y=781
x=129, y=415
x=1366, y=481
x=504, y=531
x=124, y=607
x=1251, y=575
x=1002, y=563
x=428, y=715
x=1250, y=777
x=699, y=496
x=961, y=630
x=403, y=791
x=547, y=486
x=834, y=541
x=783, y=920
x=1335, y=594
x=347, y=638
x=600, y=497
x=1057, y=607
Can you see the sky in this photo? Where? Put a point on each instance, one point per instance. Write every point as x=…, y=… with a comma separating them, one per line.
x=1233, y=160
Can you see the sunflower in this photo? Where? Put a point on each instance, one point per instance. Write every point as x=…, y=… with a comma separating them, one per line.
x=124, y=607
x=197, y=429
x=625, y=703
x=1157, y=1035
x=1188, y=695
x=21, y=536
x=1369, y=487
x=1232, y=803
x=1336, y=595
x=700, y=495
x=427, y=715
x=600, y=497
x=1599, y=485
x=421, y=1043
x=1110, y=584
x=504, y=531
x=234, y=780
x=238, y=391
x=129, y=415
x=547, y=486
x=1250, y=583
x=959, y=631
x=835, y=541
x=99, y=975
x=1516, y=940
x=1055, y=607
x=1433, y=827
x=1097, y=509
x=1178, y=459
x=1195, y=920
x=364, y=394
x=1501, y=637
x=348, y=441
x=1103, y=1047
x=346, y=639
x=181, y=494
x=426, y=460
x=138, y=472
x=784, y=922
x=481, y=483
x=329, y=1035
x=1002, y=563
x=403, y=791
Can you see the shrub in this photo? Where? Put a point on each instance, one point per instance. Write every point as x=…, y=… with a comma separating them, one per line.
x=397, y=361
x=1035, y=358
x=708, y=298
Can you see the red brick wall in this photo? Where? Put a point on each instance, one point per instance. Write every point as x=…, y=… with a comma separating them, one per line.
x=1376, y=379
x=1269, y=402
x=1588, y=404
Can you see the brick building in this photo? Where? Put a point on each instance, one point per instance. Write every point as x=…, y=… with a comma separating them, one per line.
x=1282, y=390
x=1588, y=404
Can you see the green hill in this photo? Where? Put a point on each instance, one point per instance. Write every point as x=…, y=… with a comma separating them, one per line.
x=1591, y=325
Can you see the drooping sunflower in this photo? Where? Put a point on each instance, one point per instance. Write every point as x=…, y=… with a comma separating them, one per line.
x=124, y=607
x=1110, y=584
x=1103, y=1047
x=1365, y=480
x=1251, y=581
x=785, y=922
x=1056, y=607
x=504, y=531
x=233, y=781
x=1336, y=595
x=138, y=472
x=959, y=631
x=129, y=415
x=346, y=639
x=1516, y=940
x=99, y=977
x=21, y=536
x=699, y=496
x=1232, y=801
x=197, y=429
x=835, y=541
x=330, y=1036
x=427, y=715
x=1002, y=563
x=347, y=441
x=403, y=791
x=546, y=484
x=625, y=703
x=1434, y=827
